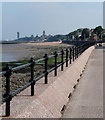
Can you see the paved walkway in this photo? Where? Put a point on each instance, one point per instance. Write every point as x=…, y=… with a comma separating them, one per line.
x=87, y=100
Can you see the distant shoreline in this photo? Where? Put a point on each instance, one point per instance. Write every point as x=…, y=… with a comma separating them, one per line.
x=11, y=42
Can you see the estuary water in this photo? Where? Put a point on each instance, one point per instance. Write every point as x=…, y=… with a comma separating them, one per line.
x=23, y=51
x=7, y=57
x=12, y=52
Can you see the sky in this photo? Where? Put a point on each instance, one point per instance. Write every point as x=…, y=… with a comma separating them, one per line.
x=31, y=18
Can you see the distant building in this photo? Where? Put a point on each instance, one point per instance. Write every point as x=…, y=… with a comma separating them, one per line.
x=43, y=32
x=37, y=36
x=95, y=37
x=78, y=33
x=18, y=35
x=73, y=37
x=91, y=31
x=104, y=32
x=32, y=36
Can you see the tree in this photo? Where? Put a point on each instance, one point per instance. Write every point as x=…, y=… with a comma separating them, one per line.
x=85, y=33
x=32, y=36
x=98, y=30
x=103, y=37
x=77, y=37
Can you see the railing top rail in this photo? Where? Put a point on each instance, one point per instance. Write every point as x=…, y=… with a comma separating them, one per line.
x=22, y=88
x=39, y=60
x=22, y=66
x=59, y=53
x=25, y=65
x=51, y=56
x=16, y=68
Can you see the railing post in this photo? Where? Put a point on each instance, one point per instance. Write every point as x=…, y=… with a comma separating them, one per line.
x=84, y=47
x=73, y=53
x=55, y=63
x=77, y=51
x=62, y=53
x=66, y=57
x=81, y=49
x=32, y=76
x=46, y=66
x=7, y=75
x=70, y=54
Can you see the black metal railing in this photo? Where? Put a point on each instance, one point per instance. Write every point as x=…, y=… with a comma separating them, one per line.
x=66, y=56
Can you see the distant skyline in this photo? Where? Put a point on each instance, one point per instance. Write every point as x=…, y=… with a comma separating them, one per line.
x=31, y=18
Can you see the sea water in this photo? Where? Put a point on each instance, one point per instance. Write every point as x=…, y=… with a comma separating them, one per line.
x=7, y=57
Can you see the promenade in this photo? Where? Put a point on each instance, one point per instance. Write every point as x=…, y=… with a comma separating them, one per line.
x=87, y=100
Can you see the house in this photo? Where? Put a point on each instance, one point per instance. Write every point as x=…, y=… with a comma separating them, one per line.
x=90, y=33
